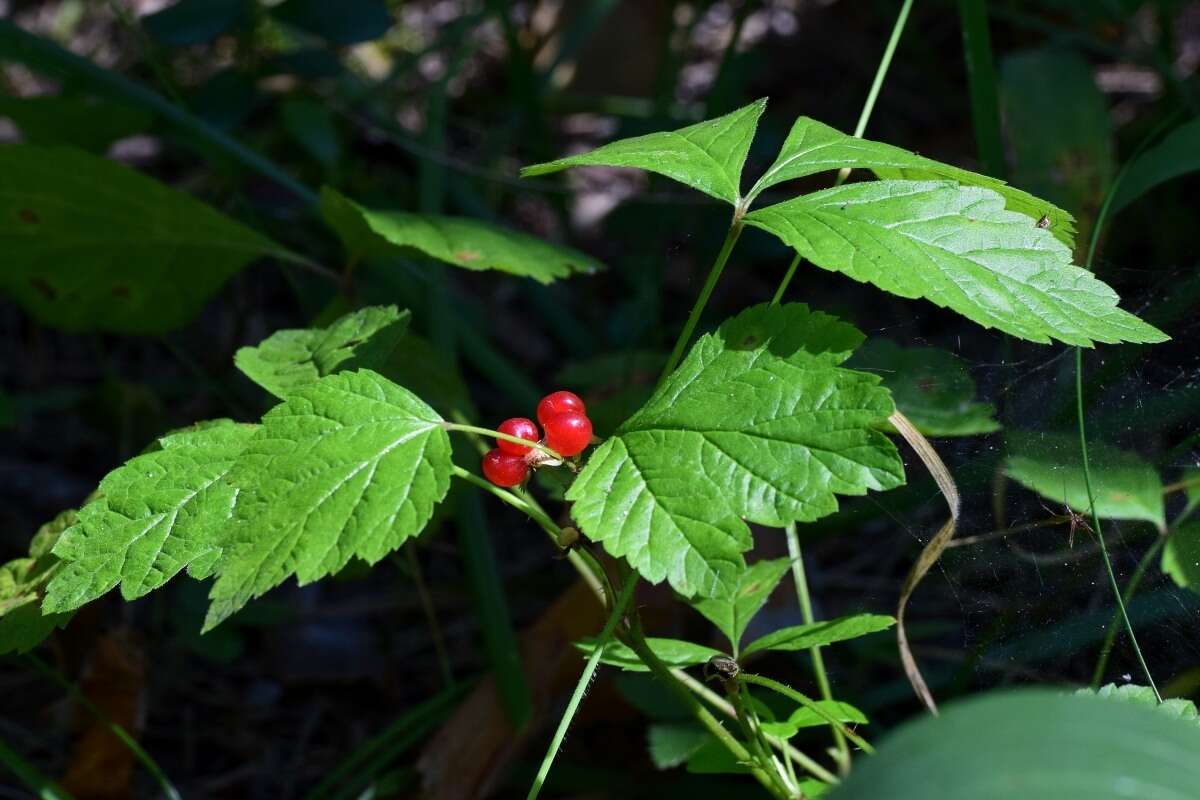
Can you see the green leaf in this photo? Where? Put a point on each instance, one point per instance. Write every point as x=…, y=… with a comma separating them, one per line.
x=92, y=245
x=73, y=121
x=312, y=125
x=425, y=370
x=673, y=743
x=1177, y=154
x=958, y=247
x=732, y=614
x=191, y=22
x=714, y=758
x=804, y=717
x=292, y=359
x=1177, y=707
x=930, y=386
x=160, y=512
x=707, y=156
x=816, y=634
x=1181, y=556
x=1125, y=486
x=812, y=147
x=344, y=22
x=462, y=242
x=1033, y=744
x=758, y=424
x=672, y=652
x=22, y=587
x=351, y=466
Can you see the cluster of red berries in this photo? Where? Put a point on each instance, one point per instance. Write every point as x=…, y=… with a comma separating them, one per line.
x=568, y=433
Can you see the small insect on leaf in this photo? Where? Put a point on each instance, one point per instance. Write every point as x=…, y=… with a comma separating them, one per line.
x=1044, y=222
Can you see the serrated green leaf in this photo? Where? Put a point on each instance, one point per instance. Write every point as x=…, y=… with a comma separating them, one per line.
x=351, y=466
x=672, y=652
x=812, y=147
x=804, y=717
x=707, y=156
x=758, y=424
x=958, y=247
x=160, y=512
x=292, y=359
x=1177, y=154
x=732, y=614
x=92, y=245
x=930, y=386
x=460, y=241
x=1034, y=745
x=816, y=634
x=1181, y=556
x=1177, y=707
x=22, y=587
x=1125, y=486
x=673, y=743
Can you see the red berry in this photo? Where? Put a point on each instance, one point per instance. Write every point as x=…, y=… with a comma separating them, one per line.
x=520, y=427
x=559, y=403
x=568, y=434
x=504, y=469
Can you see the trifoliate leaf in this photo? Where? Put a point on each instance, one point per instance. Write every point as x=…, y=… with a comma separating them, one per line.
x=733, y=613
x=673, y=743
x=1181, y=556
x=160, y=512
x=958, y=247
x=672, y=652
x=758, y=424
x=707, y=156
x=351, y=466
x=460, y=241
x=288, y=360
x=930, y=386
x=804, y=717
x=92, y=245
x=812, y=147
x=1125, y=486
x=817, y=634
x=22, y=587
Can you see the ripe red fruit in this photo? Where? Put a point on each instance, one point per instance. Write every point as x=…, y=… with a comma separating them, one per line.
x=559, y=402
x=568, y=434
x=504, y=469
x=520, y=427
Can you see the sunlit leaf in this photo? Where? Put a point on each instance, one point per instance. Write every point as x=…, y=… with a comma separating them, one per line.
x=958, y=247
x=733, y=613
x=158, y=513
x=816, y=634
x=812, y=147
x=460, y=241
x=707, y=156
x=288, y=360
x=758, y=424
x=351, y=466
x=804, y=717
x=1125, y=486
x=22, y=588
x=92, y=245
x=930, y=386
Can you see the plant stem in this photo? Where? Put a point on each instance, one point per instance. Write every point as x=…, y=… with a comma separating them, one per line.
x=431, y=619
x=787, y=279
x=26, y=773
x=1135, y=580
x=807, y=702
x=535, y=512
x=458, y=426
x=818, y=661
x=1087, y=482
x=581, y=686
x=714, y=274
x=981, y=85
x=637, y=641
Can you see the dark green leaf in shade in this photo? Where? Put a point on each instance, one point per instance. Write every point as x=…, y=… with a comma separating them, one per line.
x=342, y=22
x=1181, y=556
x=73, y=121
x=672, y=652
x=195, y=21
x=1177, y=154
x=673, y=743
x=1177, y=707
x=22, y=587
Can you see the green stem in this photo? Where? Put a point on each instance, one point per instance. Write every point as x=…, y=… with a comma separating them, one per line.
x=714, y=275
x=1087, y=482
x=26, y=773
x=637, y=642
x=981, y=84
x=581, y=686
x=430, y=611
x=807, y=702
x=787, y=279
x=458, y=426
x=1111, y=636
x=114, y=727
x=818, y=661
x=535, y=512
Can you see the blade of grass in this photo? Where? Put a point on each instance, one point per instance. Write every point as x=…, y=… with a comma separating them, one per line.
x=981, y=85
x=37, y=783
